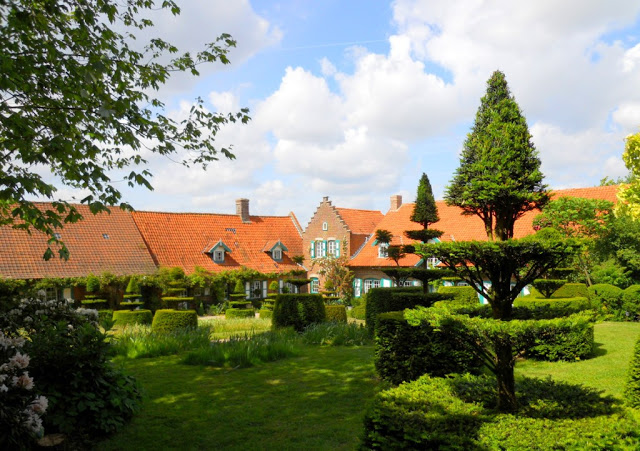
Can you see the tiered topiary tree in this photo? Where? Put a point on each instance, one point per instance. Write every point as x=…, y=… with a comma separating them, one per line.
x=239, y=306
x=94, y=299
x=174, y=293
x=499, y=180
x=132, y=299
x=266, y=310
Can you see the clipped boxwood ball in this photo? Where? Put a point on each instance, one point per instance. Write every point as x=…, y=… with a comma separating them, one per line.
x=172, y=320
x=130, y=317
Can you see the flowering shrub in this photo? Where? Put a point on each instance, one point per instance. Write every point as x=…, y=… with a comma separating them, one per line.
x=20, y=408
x=70, y=362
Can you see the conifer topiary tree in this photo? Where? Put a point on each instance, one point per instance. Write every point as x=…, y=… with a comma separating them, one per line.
x=425, y=213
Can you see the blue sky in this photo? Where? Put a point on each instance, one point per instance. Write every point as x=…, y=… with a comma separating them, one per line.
x=354, y=100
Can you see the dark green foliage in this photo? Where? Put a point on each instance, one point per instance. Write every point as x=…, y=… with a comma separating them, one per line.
x=359, y=311
x=458, y=413
x=566, y=339
x=631, y=303
x=239, y=313
x=298, y=282
x=172, y=302
x=133, y=287
x=130, y=317
x=548, y=286
x=167, y=321
x=423, y=235
x=632, y=387
x=97, y=304
x=130, y=305
x=298, y=311
x=405, y=352
x=425, y=211
x=336, y=313
x=383, y=236
x=382, y=300
x=572, y=290
x=607, y=297
x=499, y=176
x=104, y=315
x=92, y=284
x=462, y=296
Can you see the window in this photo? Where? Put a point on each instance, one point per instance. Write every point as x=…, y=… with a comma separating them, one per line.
x=432, y=262
x=331, y=248
x=371, y=283
x=105, y=236
x=407, y=283
x=255, y=289
x=277, y=254
x=57, y=236
x=197, y=291
x=218, y=256
x=325, y=226
x=319, y=252
x=315, y=285
x=51, y=294
x=383, y=250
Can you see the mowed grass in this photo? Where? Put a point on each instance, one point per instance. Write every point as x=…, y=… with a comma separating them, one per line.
x=313, y=402
x=606, y=371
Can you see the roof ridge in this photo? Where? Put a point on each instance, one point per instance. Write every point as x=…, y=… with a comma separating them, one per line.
x=206, y=213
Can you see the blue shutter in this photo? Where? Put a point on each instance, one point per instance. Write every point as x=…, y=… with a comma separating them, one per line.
x=324, y=248
x=357, y=287
x=313, y=249
x=337, y=248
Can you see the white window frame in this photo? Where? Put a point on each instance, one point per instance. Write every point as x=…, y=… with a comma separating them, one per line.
x=331, y=248
x=218, y=256
x=319, y=249
x=50, y=294
x=325, y=226
x=277, y=254
x=432, y=262
x=369, y=284
x=407, y=283
x=383, y=250
x=255, y=285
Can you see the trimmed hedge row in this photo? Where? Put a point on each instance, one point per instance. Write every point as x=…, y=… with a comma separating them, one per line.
x=632, y=387
x=620, y=305
x=383, y=300
x=165, y=321
x=566, y=339
x=336, y=313
x=462, y=296
x=130, y=317
x=535, y=308
x=405, y=352
x=298, y=310
x=458, y=413
x=239, y=313
x=266, y=313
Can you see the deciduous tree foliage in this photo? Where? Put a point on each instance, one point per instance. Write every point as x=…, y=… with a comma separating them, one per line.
x=499, y=176
x=77, y=97
x=629, y=193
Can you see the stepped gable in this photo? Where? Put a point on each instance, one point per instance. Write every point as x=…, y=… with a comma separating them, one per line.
x=185, y=239
x=456, y=226
x=106, y=242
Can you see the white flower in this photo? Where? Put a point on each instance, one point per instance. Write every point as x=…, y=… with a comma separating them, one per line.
x=19, y=360
x=3, y=388
x=23, y=381
x=39, y=405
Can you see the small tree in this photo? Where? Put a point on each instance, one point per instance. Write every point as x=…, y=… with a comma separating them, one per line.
x=336, y=272
x=425, y=211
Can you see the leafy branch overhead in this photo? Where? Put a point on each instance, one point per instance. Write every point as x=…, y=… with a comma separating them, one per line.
x=77, y=96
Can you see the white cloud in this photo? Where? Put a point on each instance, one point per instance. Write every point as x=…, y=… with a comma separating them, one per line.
x=628, y=116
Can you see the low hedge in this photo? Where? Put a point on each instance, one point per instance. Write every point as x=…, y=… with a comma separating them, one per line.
x=395, y=299
x=172, y=320
x=458, y=413
x=98, y=304
x=298, y=310
x=266, y=313
x=404, y=352
x=239, y=313
x=130, y=317
x=130, y=305
x=172, y=303
x=336, y=313
x=463, y=295
x=632, y=386
x=571, y=290
x=359, y=312
x=606, y=296
x=631, y=303
x=536, y=308
x=567, y=339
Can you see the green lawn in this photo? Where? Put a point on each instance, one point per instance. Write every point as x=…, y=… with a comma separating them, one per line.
x=315, y=401
x=607, y=371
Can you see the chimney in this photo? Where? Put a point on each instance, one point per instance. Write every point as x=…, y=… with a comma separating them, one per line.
x=396, y=202
x=325, y=199
x=242, y=209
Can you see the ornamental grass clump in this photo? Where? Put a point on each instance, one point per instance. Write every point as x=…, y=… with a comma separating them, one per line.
x=244, y=351
x=336, y=334
x=139, y=341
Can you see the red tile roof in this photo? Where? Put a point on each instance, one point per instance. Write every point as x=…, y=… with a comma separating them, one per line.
x=360, y=222
x=122, y=253
x=182, y=239
x=456, y=226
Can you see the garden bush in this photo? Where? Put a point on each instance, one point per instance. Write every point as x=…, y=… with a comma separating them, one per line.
x=568, y=339
x=359, y=312
x=70, y=363
x=105, y=315
x=172, y=320
x=405, y=352
x=336, y=313
x=124, y=318
x=266, y=313
x=632, y=387
x=548, y=286
x=383, y=300
x=458, y=413
x=240, y=313
x=607, y=297
x=631, y=303
x=298, y=311
x=536, y=308
x=462, y=296
x=571, y=290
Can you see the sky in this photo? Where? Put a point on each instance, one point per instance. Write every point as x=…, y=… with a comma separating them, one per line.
x=356, y=99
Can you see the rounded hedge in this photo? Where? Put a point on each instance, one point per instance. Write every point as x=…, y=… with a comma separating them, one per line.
x=537, y=308
x=239, y=313
x=266, y=313
x=463, y=295
x=632, y=387
x=631, y=303
x=172, y=320
x=130, y=317
x=606, y=296
x=336, y=313
x=298, y=311
x=571, y=290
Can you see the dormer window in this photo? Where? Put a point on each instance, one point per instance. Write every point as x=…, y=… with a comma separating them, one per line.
x=218, y=252
x=275, y=248
x=276, y=254
x=383, y=250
